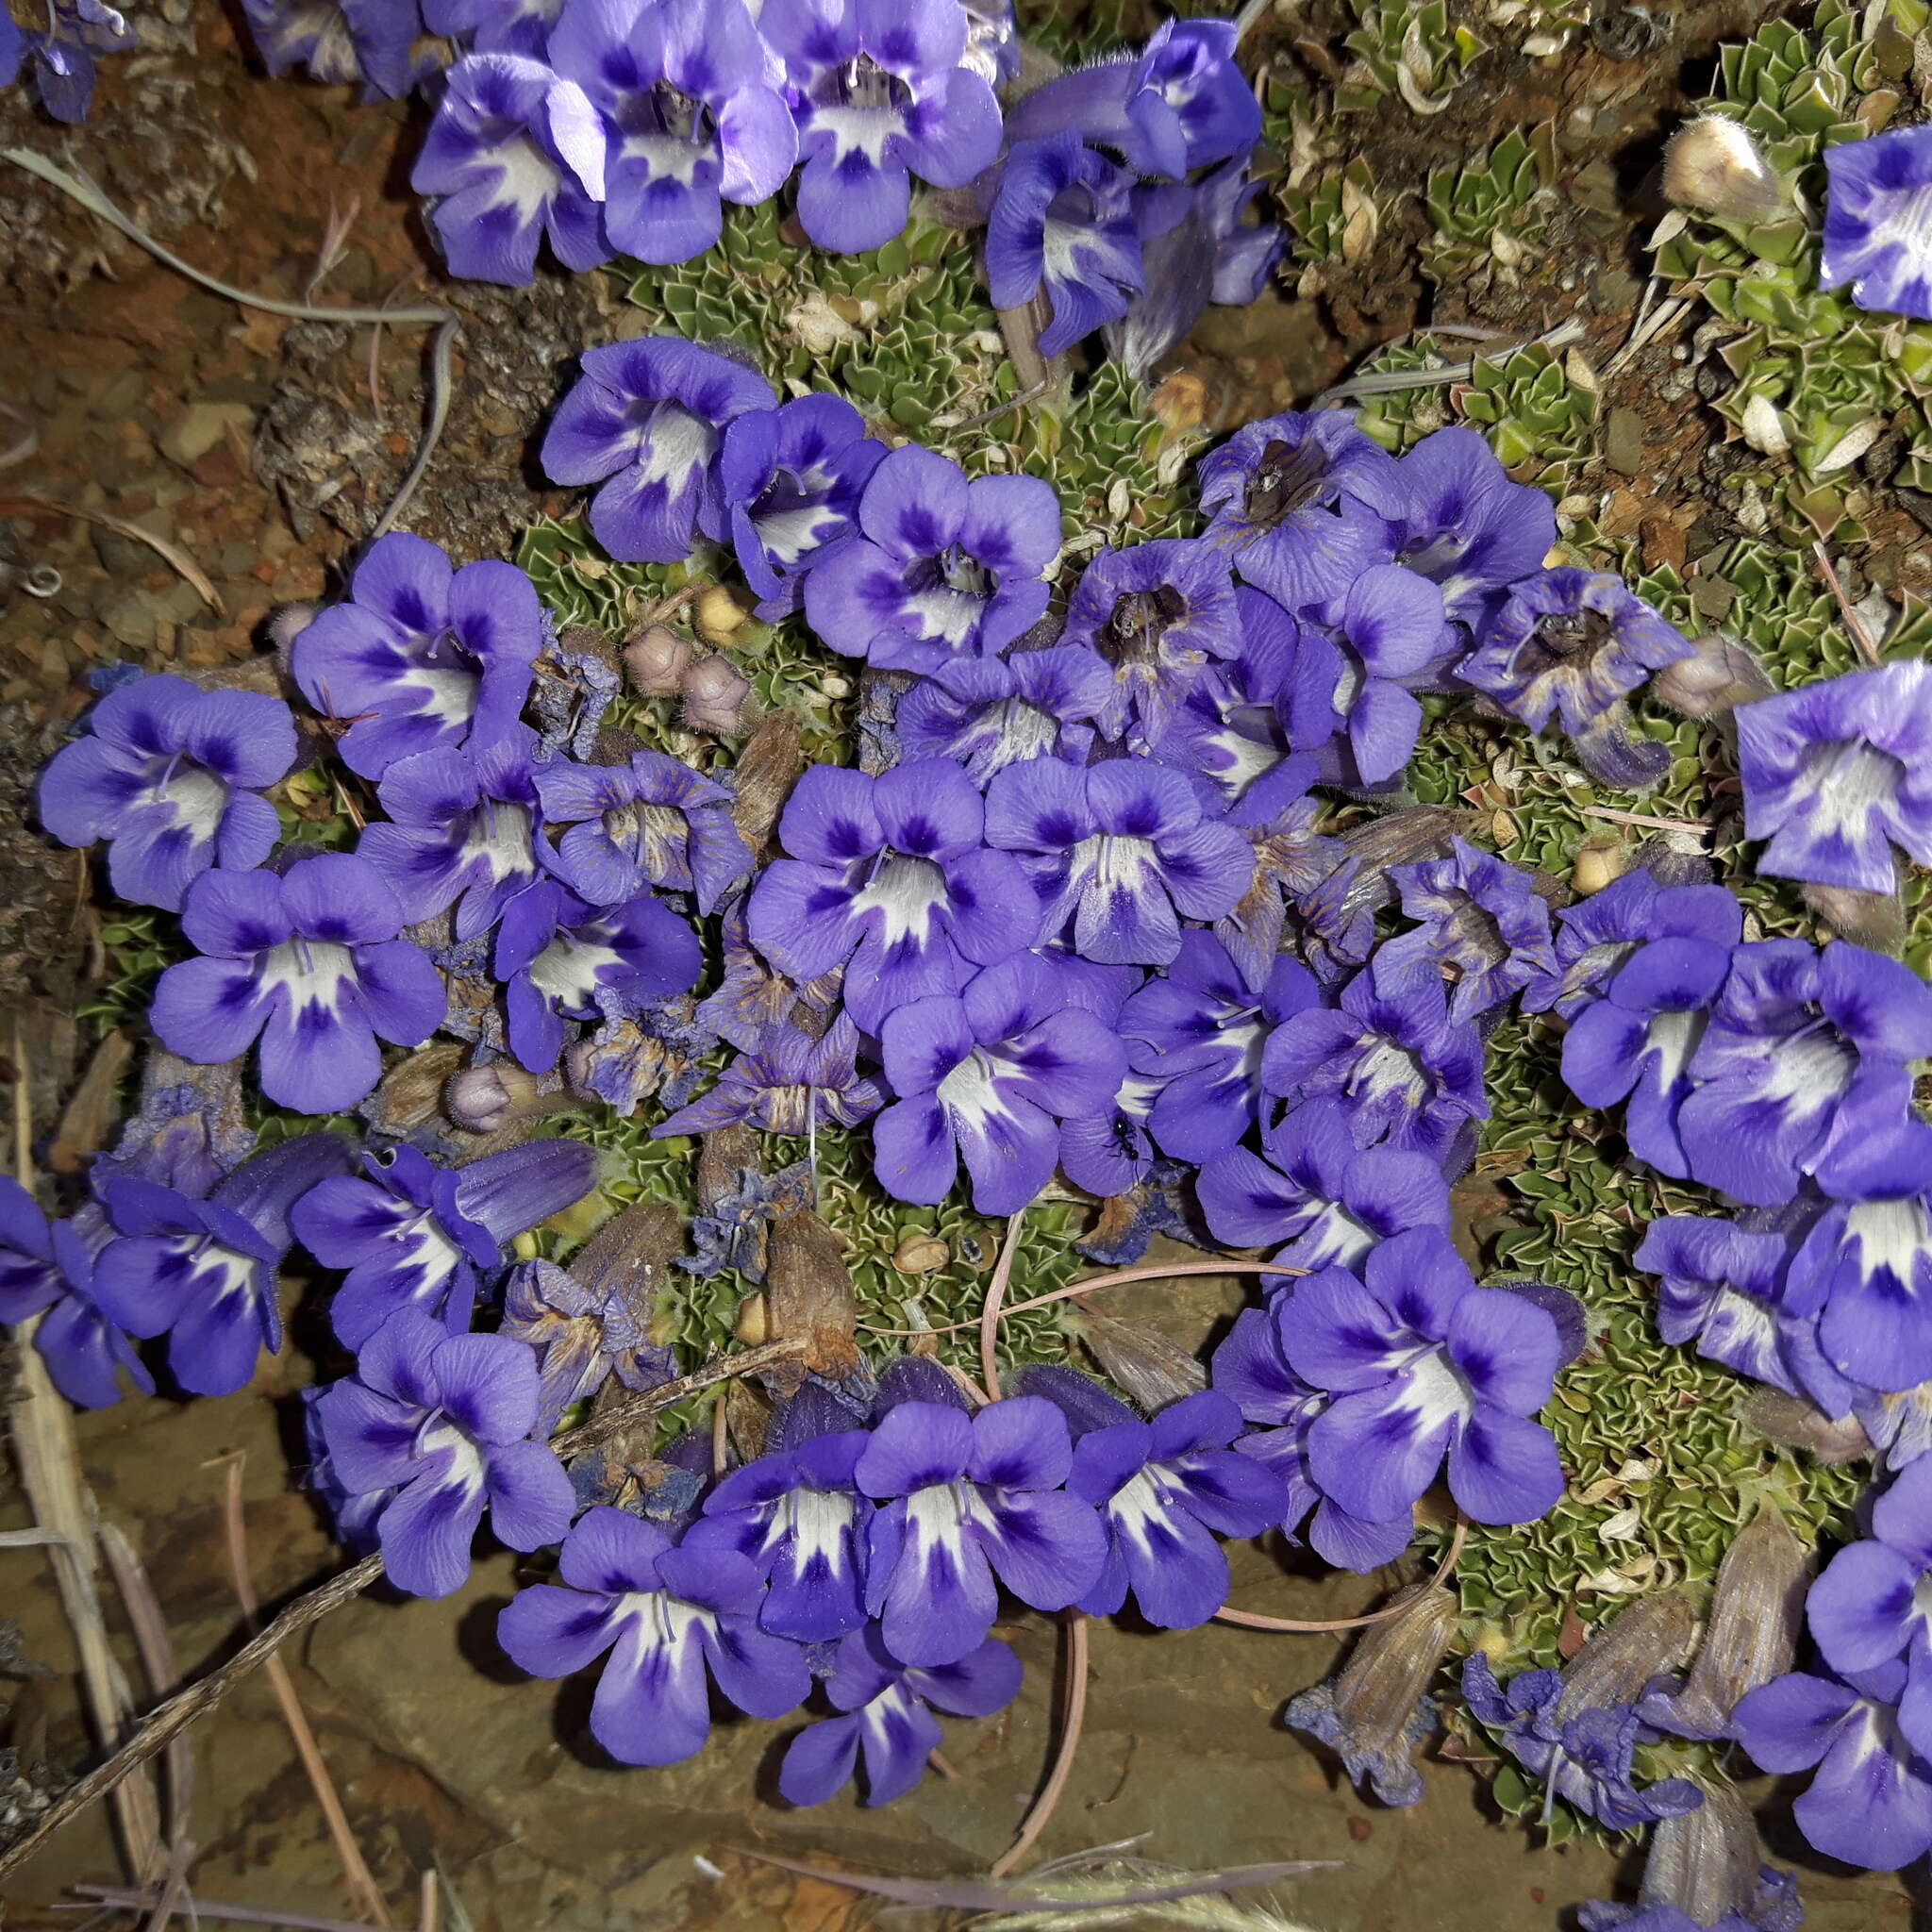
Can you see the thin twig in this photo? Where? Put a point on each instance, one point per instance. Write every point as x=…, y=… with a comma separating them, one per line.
x=151, y=1639
x=989, y=1311
x=614, y=1421
x=29, y=441
x=1853, y=623
x=364, y=1894
x=1074, y=1656
x=1643, y=818
x=430, y=1913
x=1378, y=382
x=170, y=553
x=212, y=1909
x=1249, y=1621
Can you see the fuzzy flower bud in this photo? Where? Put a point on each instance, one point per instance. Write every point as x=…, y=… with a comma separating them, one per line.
x=288, y=624
x=482, y=1099
x=1876, y=919
x=1376, y=1710
x=1722, y=674
x=1650, y=1636
x=1756, y=1611
x=1715, y=164
x=656, y=659
x=714, y=695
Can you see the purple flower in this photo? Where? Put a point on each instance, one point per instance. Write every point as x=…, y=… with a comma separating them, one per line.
x=669, y=1617
x=1870, y=1801
x=991, y=712
x=1164, y=1490
x=1803, y=1058
x=1251, y=1369
x=798, y=1516
x=1123, y=850
x=1408, y=1074
x=312, y=962
x=647, y=416
x=463, y=828
x=1061, y=225
x=1462, y=522
x=651, y=821
x=1876, y=234
x=202, y=1272
x=988, y=1074
x=790, y=479
x=583, y=1333
x=1485, y=929
x=171, y=776
x=1838, y=773
x=47, y=1271
x=886, y=1717
x=338, y=41
x=1584, y=1753
x=1638, y=1040
x=443, y=1421
x=562, y=960
x=63, y=56
x=1294, y=501
x=1157, y=614
x=1420, y=1361
x=878, y=92
x=941, y=569
x=495, y=27
x=12, y=46
x=1593, y=939
x=684, y=91
x=1199, y=1033
x=412, y=1235
x=1179, y=104
x=1350, y=697
x=515, y=153
x=889, y=875
x=1328, y=1201
x=788, y=1083
x=1112, y=1152
x=961, y=1503
x=1574, y=644
x=421, y=658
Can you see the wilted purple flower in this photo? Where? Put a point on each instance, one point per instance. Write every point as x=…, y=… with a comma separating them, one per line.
x=752, y=996
x=1803, y=1061
x=963, y=1502
x=1870, y=1801
x=312, y=962
x=515, y=153
x=790, y=479
x=647, y=415
x=171, y=776
x=1700, y=1873
x=885, y=1719
x=1837, y=774
x=495, y=27
x=786, y=1083
x=1199, y=1032
x=463, y=828
x=1325, y=1199
x=1462, y=522
x=941, y=569
x=562, y=960
x=651, y=821
x=888, y=874
x=1485, y=928
x=1877, y=235
x=583, y=1333
x=421, y=657
x=987, y=713
x=46, y=1270
x=879, y=92
x=338, y=41
x=1251, y=1369
x=202, y=1272
x=1157, y=614
x=412, y=1235
x=1408, y=1075
x=187, y=1131
x=1294, y=502
x=1350, y=697
x=443, y=1421
x=796, y=1515
x=1574, y=644
x=1061, y=225
x=684, y=88
x=987, y=1074
x=1422, y=1362
x=1179, y=104
x=1638, y=1040
x=1123, y=850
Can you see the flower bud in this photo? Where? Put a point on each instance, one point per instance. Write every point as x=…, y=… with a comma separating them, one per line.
x=1780, y=1417
x=1876, y=919
x=1597, y=866
x=481, y=1099
x=717, y=614
x=656, y=659
x=1714, y=163
x=714, y=695
x=1643, y=1640
x=1721, y=675
x=288, y=624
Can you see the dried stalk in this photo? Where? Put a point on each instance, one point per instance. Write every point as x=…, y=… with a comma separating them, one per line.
x=1074, y=1657
x=990, y=1312
x=1248, y=1620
